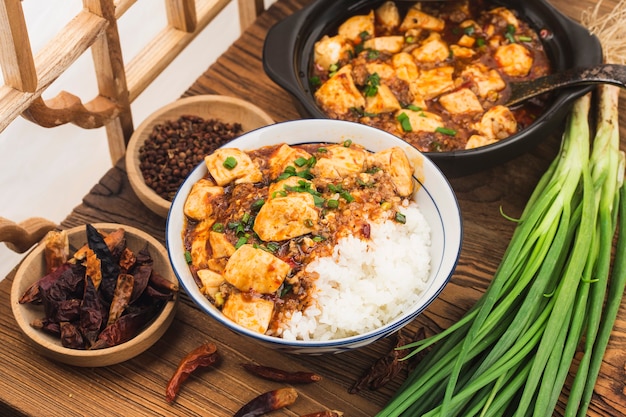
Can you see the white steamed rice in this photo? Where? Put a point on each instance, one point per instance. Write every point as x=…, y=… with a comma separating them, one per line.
x=367, y=283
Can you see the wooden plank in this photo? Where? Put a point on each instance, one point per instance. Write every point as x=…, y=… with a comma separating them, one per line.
x=249, y=10
x=62, y=50
x=16, y=56
x=164, y=47
x=181, y=14
x=121, y=6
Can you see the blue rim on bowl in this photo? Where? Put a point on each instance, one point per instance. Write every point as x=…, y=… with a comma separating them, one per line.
x=435, y=194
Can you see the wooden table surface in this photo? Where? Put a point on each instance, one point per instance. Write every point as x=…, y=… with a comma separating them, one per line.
x=32, y=385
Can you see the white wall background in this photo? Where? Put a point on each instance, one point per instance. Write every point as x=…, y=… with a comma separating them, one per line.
x=46, y=172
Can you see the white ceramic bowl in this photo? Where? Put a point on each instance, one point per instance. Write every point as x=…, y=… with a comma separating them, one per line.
x=33, y=268
x=435, y=197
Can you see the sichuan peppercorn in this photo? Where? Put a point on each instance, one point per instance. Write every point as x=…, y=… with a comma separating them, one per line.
x=175, y=147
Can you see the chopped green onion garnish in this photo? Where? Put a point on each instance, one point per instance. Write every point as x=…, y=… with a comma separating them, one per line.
x=332, y=203
x=373, y=54
x=272, y=247
x=246, y=218
x=335, y=188
x=290, y=171
x=230, y=163
x=480, y=42
x=241, y=241
x=469, y=30
x=257, y=204
x=333, y=68
x=188, y=257
x=413, y=107
x=404, y=122
x=365, y=184
x=315, y=81
x=300, y=162
x=400, y=218
x=285, y=289
x=309, y=223
x=445, y=131
x=524, y=38
x=236, y=226
x=509, y=32
x=346, y=196
x=371, y=86
x=218, y=227
x=347, y=143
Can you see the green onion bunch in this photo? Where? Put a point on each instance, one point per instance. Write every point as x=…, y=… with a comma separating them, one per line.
x=550, y=296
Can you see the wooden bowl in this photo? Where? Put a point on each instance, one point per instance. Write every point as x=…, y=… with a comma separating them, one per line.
x=33, y=267
x=222, y=108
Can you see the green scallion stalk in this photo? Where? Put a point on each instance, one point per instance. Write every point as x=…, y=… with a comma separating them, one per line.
x=511, y=353
x=607, y=172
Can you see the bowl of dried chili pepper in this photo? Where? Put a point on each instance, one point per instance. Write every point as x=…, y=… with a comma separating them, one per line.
x=95, y=295
x=170, y=142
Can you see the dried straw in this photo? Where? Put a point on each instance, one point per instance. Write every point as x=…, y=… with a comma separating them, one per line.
x=609, y=29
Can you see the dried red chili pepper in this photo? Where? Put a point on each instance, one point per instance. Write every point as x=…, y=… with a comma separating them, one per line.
x=269, y=401
x=387, y=367
x=33, y=293
x=331, y=413
x=124, y=289
x=91, y=313
x=163, y=284
x=204, y=355
x=128, y=259
x=68, y=285
x=70, y=336
x=48, y=326
x=157, y=294
x=124, y=328
x=109, y=267
x=142, y=270
x=67, y=310
x=56, y=249
x=279, y=375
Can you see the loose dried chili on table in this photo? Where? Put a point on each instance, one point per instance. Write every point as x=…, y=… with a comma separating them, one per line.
x=279, y=375
x=202, y=356
x=269, y=401
x=389, y=366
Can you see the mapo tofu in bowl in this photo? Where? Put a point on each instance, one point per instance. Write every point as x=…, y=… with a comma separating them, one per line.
x=436, y=74
x=433, y=75
x=314, y=235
